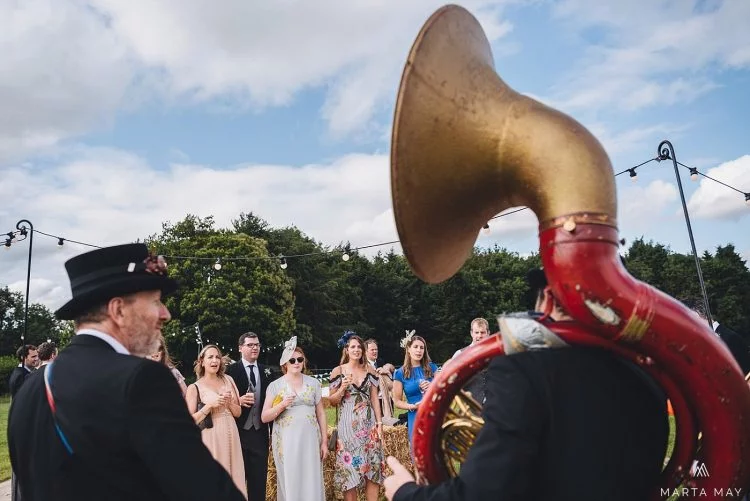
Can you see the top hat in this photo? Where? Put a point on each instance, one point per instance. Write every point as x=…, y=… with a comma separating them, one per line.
x=100, y=275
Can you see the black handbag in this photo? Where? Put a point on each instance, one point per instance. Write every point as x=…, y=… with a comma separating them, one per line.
x=208, y=421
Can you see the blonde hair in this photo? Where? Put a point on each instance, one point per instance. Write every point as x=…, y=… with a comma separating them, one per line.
x=345, y=350
x=200, y=371
x=425, y=362
x=304, y=364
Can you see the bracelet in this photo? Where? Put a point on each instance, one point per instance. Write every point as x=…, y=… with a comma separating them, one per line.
x=378, y=422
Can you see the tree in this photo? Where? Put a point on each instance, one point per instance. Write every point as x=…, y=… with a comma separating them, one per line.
x=42, y=323
x=247, y=292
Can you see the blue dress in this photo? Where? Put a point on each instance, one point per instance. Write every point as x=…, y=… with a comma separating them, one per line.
x=411, y=389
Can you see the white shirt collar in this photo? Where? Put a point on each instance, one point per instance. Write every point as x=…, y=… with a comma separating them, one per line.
x=114, y=343
x=715, y=325
x=248, y=364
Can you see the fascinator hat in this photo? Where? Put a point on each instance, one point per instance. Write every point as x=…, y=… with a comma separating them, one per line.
x=289, y=348
x=405, y=341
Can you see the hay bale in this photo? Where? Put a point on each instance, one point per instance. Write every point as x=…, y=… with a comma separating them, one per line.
x=396, y=443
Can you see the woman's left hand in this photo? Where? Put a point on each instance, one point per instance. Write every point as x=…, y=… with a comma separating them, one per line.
x=380, y=431
x=323, y=451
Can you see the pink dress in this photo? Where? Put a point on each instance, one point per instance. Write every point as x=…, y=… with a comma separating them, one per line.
x=223, y=440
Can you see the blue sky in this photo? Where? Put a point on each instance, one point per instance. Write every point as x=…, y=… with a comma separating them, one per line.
x=120, y=115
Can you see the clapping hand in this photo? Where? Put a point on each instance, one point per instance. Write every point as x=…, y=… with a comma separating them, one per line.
x=287, y=401
x=247, y=400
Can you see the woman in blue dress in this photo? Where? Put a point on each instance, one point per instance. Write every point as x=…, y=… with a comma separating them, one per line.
x=412, y=379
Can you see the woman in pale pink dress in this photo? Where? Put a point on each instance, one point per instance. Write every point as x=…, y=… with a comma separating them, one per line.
x=219, y=394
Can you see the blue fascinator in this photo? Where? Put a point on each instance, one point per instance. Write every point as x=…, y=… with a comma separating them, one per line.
x=344, y=339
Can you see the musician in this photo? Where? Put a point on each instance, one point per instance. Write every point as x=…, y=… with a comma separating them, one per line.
x=564, y=423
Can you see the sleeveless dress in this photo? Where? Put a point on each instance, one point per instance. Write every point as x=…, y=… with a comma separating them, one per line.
x=411, y=389
x=296, y=442
x=359, y=453
x=223, y=440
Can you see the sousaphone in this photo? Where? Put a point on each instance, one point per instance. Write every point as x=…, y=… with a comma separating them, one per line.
x=465, y=147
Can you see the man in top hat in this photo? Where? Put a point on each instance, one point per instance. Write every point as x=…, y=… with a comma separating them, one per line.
x=102, y=421
x=561, y=422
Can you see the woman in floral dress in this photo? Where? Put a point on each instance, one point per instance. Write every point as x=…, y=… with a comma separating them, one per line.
x=299, y=438
x=359, y=451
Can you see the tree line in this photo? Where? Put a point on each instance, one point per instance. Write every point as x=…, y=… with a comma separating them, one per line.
x=318, y=296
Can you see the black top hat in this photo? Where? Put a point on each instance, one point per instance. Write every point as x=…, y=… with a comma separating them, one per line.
x=100, y=275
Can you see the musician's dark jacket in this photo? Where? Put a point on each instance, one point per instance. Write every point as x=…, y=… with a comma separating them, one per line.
x=131, y=433
x=737, y=344
x=561, y=424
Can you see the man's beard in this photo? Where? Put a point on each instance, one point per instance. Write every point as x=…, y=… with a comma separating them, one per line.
x=144, y=346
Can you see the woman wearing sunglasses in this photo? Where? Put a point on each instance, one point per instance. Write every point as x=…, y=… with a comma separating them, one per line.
x=299, y=437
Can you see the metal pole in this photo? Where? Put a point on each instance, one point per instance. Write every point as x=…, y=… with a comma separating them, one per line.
x=20, y=226
x=666, y=152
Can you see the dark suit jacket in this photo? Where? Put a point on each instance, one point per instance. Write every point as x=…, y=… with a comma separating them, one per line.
x=562, y=424
x=16, y=379
x=130, y=430
x=239, y=374
x=737, y=345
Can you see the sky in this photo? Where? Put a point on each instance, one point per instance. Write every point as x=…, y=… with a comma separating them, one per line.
x=119, y=115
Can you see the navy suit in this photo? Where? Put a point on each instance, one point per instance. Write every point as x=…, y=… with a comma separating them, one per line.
x=254, y=442
x=128, y=425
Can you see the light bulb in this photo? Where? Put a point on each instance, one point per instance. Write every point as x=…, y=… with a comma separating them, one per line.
x=283, y=263
x=345, y=256
x=633, y=175
x=60, y=242
x=217, y=265
x=747, y=198
x=693, y=173
x=486, y=229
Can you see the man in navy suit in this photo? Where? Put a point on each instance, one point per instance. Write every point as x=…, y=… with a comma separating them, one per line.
x=103, y=421
x=251, y=379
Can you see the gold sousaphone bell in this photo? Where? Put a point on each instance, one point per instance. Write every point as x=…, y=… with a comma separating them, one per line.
x=465, y=147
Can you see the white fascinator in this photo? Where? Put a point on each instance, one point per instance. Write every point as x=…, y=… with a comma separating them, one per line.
x=289, y=348
x=409, y=335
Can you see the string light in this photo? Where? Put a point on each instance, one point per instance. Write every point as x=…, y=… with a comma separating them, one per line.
x=346, y=255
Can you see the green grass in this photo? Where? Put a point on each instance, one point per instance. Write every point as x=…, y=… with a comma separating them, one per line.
x=4, y=456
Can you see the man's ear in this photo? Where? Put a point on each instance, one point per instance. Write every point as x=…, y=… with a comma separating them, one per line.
x=116, y=309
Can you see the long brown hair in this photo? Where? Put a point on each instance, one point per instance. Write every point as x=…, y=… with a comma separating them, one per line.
x=425, y=363
x=165, y=359
x=198, y=365
x=345, y=350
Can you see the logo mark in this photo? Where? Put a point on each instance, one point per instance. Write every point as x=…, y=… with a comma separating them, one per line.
x=699, y=470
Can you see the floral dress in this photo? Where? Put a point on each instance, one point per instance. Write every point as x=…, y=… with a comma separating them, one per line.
x=359, y=453
x=296, y=443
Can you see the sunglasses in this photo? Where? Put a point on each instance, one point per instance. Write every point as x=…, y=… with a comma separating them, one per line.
x=297, y=360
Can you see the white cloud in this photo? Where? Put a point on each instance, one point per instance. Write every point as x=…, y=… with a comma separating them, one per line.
x=62, y=72
x=714, y=201
x=263, y=53
x=69, y=66
x=652, y=52
x=641, y=208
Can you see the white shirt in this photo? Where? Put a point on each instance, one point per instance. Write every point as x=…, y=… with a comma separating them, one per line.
x=252, y=366
x=114, y=343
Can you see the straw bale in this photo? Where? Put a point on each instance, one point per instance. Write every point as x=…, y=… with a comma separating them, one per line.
x=396, y=443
